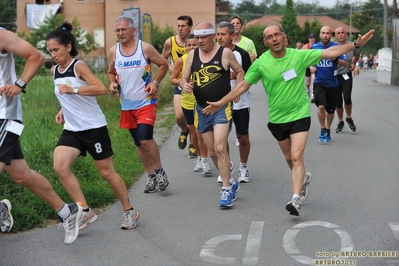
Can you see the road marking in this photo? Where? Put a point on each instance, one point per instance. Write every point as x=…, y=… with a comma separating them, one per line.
x=251, y=253
x=253, y=245
x=252, y=248
x=292, y=249
x=395, y=230
x=208, y=250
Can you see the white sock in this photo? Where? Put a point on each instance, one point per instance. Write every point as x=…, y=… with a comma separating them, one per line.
x=64, y=211
x=295, y=196
x=243, y=165
x=226, y=188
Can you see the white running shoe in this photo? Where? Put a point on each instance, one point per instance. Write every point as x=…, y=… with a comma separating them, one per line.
x=294, y=206
x=5, y=216
x=231, y=168
x=199, y=167
x=129, y=219
x=87, y=218
x=244, y=175
x=306, y=181
x=71, y=223
x=231, y=172
x=206, y=171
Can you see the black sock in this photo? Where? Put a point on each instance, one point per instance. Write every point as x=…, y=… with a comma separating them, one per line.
x=158, y=170
x=152, y=176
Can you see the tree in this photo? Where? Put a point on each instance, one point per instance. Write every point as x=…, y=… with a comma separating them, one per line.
x=160, y=36
x=289, y=23
x=255, y=33
x=248, y=10
x=370, y=17
x=310, y=27
x=85, y=42
x=8, y=14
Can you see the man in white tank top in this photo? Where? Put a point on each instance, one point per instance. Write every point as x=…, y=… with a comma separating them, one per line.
x=130, y=75
x=11, y=156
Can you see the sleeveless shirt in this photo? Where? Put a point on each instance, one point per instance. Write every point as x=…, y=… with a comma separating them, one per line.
x=10, y=108
x=244, y=60
x=187, y=99
x=176, y=50
x=134, y=73
x=80, y=112
x=211, y=81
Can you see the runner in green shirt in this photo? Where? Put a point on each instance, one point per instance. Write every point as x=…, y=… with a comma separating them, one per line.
x=282, y=71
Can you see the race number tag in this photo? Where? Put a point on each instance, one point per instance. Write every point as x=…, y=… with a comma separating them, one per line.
x=15, y=127
x=345, y=76
x=290, y=74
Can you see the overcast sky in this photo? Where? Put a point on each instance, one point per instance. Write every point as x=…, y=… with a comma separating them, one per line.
x=325, y=3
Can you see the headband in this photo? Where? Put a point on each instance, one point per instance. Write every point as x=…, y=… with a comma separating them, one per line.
x=204, y=32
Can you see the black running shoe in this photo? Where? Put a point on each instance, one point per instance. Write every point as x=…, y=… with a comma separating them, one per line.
x=192, y=152
x=340, y=126
x=351, y=125
x=182, y=141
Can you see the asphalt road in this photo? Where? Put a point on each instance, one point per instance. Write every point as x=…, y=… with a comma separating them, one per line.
x=352, y=205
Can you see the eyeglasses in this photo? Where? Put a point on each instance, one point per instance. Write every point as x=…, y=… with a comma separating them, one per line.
x=275, y=35
x=123, y=30
x=202, y=37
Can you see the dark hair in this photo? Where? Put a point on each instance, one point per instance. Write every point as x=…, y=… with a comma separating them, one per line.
x=288, y=39
x=64, y=36
x=187, y=18
x=190, y=36
x=237, y=17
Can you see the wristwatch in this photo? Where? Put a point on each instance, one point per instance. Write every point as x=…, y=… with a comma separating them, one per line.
x=156, y=83
x=22, y=84
x=75, y=90
x=355, y=43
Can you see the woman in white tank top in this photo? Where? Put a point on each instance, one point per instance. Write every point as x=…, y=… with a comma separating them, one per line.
x=84, y=125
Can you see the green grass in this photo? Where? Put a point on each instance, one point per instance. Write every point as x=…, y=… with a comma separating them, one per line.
x=38, y=141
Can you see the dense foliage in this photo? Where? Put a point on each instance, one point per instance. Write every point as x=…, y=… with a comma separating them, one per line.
x=364, y=15
x=8, y=14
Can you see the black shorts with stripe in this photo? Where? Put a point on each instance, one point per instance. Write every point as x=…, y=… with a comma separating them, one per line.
x=10, y=148
x=94, y=141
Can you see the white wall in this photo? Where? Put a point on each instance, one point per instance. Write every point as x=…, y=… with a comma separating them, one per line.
x=384, y=66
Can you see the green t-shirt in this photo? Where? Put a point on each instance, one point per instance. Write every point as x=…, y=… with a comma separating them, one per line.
x=287, y=99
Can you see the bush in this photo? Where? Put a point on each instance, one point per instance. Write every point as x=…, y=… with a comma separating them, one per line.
x=255, y=33
x=160, y=36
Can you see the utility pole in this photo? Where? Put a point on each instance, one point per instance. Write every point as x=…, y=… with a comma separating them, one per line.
x=350, y=21
x=385, y=23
